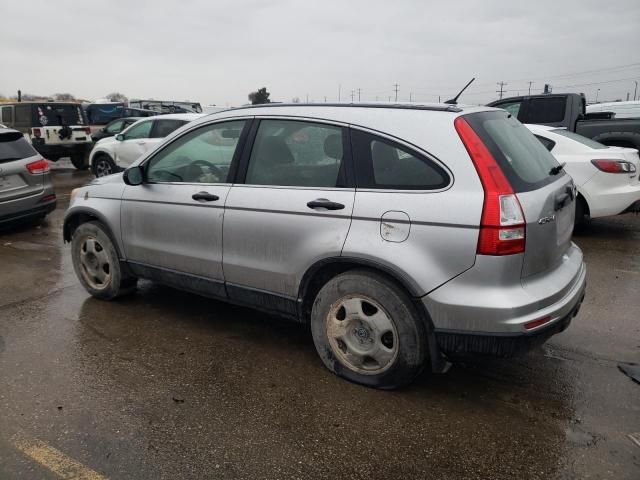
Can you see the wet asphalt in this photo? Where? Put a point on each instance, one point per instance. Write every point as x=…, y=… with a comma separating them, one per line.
x=165, y=384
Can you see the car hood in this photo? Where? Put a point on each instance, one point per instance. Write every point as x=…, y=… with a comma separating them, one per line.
x=113, y=178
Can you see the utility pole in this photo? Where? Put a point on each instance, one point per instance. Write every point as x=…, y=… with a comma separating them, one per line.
x=353, y=94
x=635, y=90
x=389, y=98
x=597, y=93
x=395, y=87
x=325, y=99
x=307, y=98
x=530, y=83
x=439, y=99
x=339, y=90
x=501, y=85
x=410, y=95
x=359, y=90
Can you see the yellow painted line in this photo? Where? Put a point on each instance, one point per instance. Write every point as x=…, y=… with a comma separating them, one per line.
x=54, y=459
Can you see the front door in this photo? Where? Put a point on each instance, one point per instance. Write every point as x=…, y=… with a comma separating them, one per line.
x=293, y=209
x=133, y=144
x=172, y=223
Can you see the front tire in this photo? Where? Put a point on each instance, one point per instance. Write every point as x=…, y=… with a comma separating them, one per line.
x=103, y=165
x=96, y=263
x=367, y=330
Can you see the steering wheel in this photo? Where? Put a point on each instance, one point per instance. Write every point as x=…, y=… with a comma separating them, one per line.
x=204, y=163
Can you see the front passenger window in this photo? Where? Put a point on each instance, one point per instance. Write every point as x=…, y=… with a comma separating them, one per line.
x=139, y=130
x=201, y=156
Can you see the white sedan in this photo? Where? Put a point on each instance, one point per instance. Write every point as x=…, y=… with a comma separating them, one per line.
x=606, y=177
x=112, y=154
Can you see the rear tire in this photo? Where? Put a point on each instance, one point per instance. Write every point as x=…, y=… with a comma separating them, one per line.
x=96, y=263
x=367, y=330
x=581, y=214
x=79, y=161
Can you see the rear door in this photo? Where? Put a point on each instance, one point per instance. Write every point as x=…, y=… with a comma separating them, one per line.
x=546, y=193
x=293, y=209
x=15, y=180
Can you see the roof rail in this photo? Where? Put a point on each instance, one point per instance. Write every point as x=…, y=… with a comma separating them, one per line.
x=401, y=106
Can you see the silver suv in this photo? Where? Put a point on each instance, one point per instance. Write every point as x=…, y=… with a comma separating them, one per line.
x=404, y=234
x=26, y=191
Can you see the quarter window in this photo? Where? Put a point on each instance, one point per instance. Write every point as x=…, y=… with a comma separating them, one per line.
x=140, y=130
x=115, y=127
x=7, y=114
x=512, y=107
x=201, y=156
x=383, y=164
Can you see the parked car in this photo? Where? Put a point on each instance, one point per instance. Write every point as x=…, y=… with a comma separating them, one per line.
x=26, y=190
x=102, y=113
x=568, y=110
x=629, y=109
x=112, y=154
x=166, y=106
x=404, y=234
x=114, y=127
x=55, y=129
x=606, y=177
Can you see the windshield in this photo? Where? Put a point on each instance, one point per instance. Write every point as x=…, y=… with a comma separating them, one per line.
x=58, y=114
x=524, y=160
x=103, y=113
x=579, y=138
x=13, y=146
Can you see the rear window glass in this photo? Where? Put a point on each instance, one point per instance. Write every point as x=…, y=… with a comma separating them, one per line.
x=524, y=160
x=579, y=138
x=13, y=146
x=103, y=113
x=55, y=114
x=546, y=110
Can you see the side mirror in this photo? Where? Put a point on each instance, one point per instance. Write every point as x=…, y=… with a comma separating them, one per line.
x=120, y=137
x=133, y=176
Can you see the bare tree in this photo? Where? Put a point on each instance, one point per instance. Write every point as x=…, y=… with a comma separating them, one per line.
x=117, y=97
x=260, y=96
x=295, y=100
x=63, y=97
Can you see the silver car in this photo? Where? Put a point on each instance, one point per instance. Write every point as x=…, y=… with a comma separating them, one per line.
x=26, y=191
x=404, y=234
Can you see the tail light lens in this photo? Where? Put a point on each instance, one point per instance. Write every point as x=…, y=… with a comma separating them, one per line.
x=37, y=132
x=614, y=166
x=502, y=226
x=40, y=166
x=87, y=130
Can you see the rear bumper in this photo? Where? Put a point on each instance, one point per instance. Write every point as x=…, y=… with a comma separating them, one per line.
x=39, y=210
x=54, y=152
x=633, y=208
x=490, y=300
x=605, y=200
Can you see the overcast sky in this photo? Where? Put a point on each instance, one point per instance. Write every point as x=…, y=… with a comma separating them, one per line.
x=216, y=52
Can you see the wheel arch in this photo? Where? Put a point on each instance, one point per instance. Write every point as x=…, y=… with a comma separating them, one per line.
x=78, y=217
x=619, y=139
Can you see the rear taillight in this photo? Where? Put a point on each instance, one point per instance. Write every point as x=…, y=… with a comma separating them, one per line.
x=502, y=226
x=614, y=166
x=37, y=132
x=40, y=166
x=87, y=130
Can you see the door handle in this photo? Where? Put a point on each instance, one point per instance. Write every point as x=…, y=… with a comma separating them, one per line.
x=324, y=203
x=141, y=142
x=205, y=196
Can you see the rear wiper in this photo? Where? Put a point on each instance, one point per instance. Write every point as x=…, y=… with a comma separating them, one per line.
x=556, y=170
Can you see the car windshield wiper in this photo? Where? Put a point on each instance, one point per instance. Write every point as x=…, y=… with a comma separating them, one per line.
x=557, y=169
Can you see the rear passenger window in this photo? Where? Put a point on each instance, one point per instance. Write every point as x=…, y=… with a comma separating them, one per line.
x=546, y=110
x=383, y=164
x=294, y=153
x=163, y=128
x=7, y=114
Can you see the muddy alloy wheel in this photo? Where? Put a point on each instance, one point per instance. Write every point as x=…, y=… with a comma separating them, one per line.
x=97, y=264
x=367, y=330
x=362, y=335
x=103, y=166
